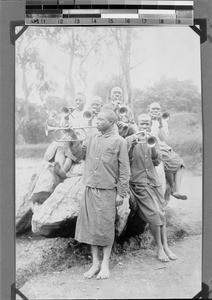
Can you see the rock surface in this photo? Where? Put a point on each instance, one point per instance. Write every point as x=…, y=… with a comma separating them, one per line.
x=36, y=190
x=50, y=206
x=57, y=215
x=23, y=207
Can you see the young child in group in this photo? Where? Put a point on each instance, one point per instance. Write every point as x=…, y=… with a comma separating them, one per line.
x=146, y=189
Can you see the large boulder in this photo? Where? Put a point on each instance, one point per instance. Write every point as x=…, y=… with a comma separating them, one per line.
x=50, y=206
x=39, y=187
x=57, y=215
x=23, y=207
x=44, y=184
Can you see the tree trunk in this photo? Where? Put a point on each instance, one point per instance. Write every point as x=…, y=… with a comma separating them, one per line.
x=71, y=95
x=124, y=47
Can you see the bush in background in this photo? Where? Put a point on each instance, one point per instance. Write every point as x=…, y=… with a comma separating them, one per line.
x=185, y=137
x=30, y=129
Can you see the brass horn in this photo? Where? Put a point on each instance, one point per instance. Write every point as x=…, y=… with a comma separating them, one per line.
x=63, y=134
x=64, y=111
x=151, y=141
x=49, y=129
x=88, y=115
x=166, y=116
x=64, y=116
x=122, y=111
x=142, y=137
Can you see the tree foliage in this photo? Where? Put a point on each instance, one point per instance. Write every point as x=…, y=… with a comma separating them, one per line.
x=172, y=94
x=83, y=50
x=31, y=131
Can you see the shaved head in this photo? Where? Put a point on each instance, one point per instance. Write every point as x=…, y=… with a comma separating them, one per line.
x=144, y=117
x=109, y=114
x=96, y=100
x=154, y=105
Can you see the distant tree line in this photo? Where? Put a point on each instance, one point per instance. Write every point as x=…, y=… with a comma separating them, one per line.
x=173, y=95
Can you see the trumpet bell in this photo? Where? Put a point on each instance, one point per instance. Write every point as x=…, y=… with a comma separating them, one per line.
x=151, y=141
x=123, y=111
x=166, y=116
x=64, y=111
x=144, y=138
x=88, y=115
x=49, y=129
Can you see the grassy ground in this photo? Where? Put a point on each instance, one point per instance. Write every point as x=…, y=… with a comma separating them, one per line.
x=186, y=139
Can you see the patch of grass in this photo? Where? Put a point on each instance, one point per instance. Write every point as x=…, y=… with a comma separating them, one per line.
x=57, y=254
x=185, y=138
x=30, y=151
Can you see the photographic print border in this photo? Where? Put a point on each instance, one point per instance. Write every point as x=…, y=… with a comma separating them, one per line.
x=12, y=12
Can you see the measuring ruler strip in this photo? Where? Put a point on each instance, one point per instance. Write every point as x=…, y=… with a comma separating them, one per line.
x=136, y=21
x=154, y=17
x=149, y=12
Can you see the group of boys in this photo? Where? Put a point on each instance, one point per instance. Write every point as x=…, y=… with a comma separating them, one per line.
x=118, y=161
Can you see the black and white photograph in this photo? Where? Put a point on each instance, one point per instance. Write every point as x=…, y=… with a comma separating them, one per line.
x=108, y=110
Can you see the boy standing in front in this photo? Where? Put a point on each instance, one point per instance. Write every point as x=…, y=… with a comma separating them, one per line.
x=106, y=177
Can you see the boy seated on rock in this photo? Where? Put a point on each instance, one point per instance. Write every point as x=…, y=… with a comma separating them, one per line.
x=173, y=163
x=61, y=157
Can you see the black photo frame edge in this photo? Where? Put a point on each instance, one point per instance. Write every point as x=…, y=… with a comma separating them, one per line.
x=13, y=13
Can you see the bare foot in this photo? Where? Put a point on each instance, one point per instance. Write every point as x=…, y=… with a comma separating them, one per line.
x=162, y=255
x=170, y=254
x=92, y=271
x=104, y=273
x=179, y=196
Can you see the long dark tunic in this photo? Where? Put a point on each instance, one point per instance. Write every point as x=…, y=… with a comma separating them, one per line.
x=144, y=183
x=106, y=173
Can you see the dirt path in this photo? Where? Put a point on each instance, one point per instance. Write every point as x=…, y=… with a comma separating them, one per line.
x=139, y=275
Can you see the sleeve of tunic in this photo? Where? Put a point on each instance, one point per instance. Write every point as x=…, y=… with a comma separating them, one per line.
x=130, y=148
x=155, y=157
x=124, y=169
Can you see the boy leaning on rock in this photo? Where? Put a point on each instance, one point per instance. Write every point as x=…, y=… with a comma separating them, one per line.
x=146, y=189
